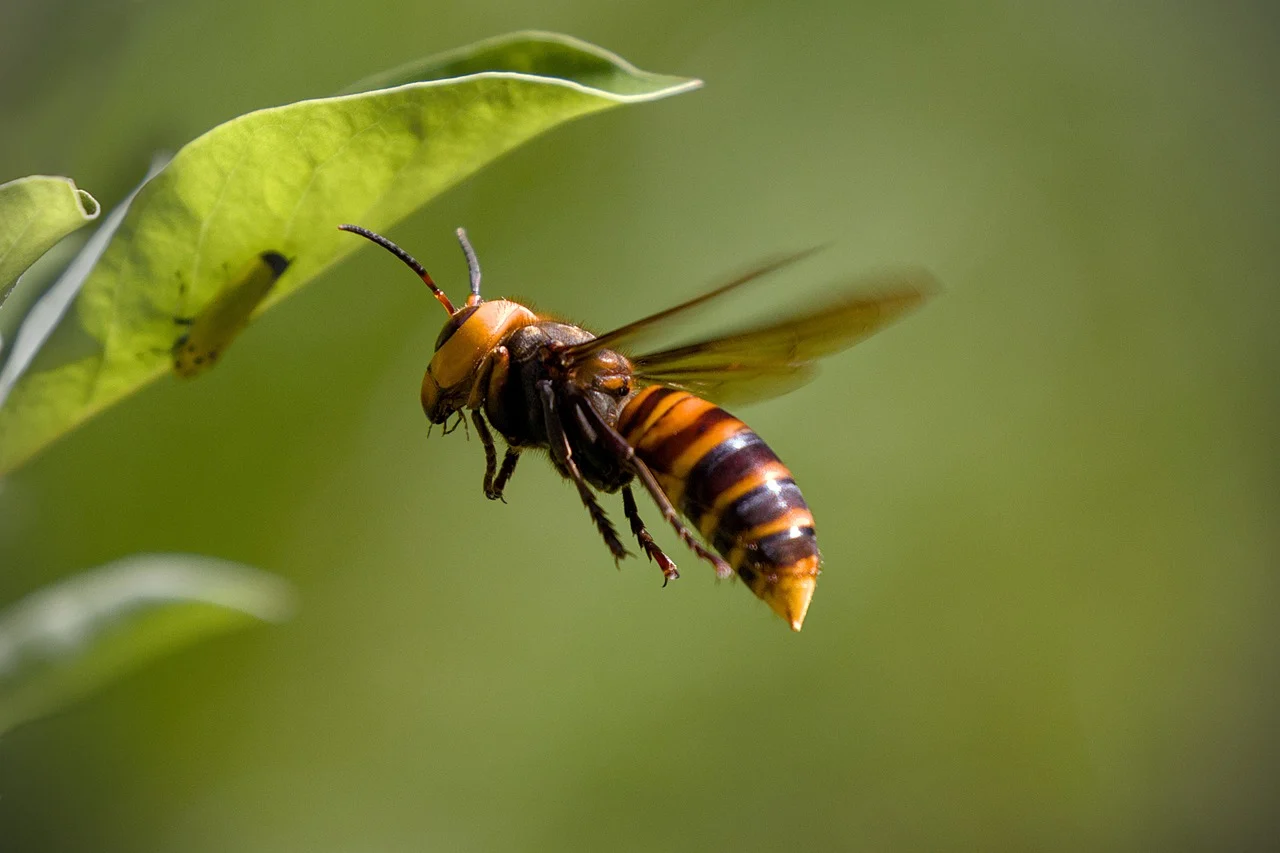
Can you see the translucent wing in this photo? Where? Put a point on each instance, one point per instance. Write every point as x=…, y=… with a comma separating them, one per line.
x=777, y=356
x=631, y=335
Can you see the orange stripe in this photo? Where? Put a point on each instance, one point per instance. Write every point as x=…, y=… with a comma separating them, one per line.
x=805, y=567
x=638, y=431
x=671, y=429
x=710, y=519
x=672, y=420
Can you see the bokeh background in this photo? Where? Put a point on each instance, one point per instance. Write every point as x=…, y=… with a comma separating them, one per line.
x=1047, y=502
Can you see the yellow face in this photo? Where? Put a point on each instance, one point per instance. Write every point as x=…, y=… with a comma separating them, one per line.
x=469, y=337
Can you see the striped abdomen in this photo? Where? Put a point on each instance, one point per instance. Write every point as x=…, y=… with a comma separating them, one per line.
x=727, y=482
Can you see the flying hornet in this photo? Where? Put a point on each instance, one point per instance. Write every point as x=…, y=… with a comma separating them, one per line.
x=610, y=415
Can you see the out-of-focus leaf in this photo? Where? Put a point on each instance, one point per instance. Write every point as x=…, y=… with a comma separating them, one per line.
x=44, y=316
x=281, y=180
x=35, y=213
x=65, y=640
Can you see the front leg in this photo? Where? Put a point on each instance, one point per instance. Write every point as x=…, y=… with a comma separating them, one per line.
x=563, y=453
x=491, y=375
x=490, y=456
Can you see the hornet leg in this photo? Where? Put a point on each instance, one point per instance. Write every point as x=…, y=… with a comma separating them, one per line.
x=560, y=449
x=483, y=386
x=490, y=455
x=628, y=454
x=504, y=473
x=651, y=549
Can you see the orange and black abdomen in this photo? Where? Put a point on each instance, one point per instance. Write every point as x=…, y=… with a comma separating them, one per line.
x=733, y=488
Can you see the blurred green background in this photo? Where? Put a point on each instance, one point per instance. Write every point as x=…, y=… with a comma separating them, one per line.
x=1047, y=502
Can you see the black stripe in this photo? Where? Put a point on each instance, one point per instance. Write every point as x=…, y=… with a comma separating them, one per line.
x=723, y=467
x=758, y=506
x=765, y=502
x=780, y=550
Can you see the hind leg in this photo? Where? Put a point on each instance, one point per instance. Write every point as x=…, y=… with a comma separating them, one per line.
x=651, y=549
x=627, y=454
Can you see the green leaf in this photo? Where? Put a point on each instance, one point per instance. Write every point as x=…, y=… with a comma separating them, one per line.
x=43, y=317
x=66, y=640
x=281, y=180
x=35, y=213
